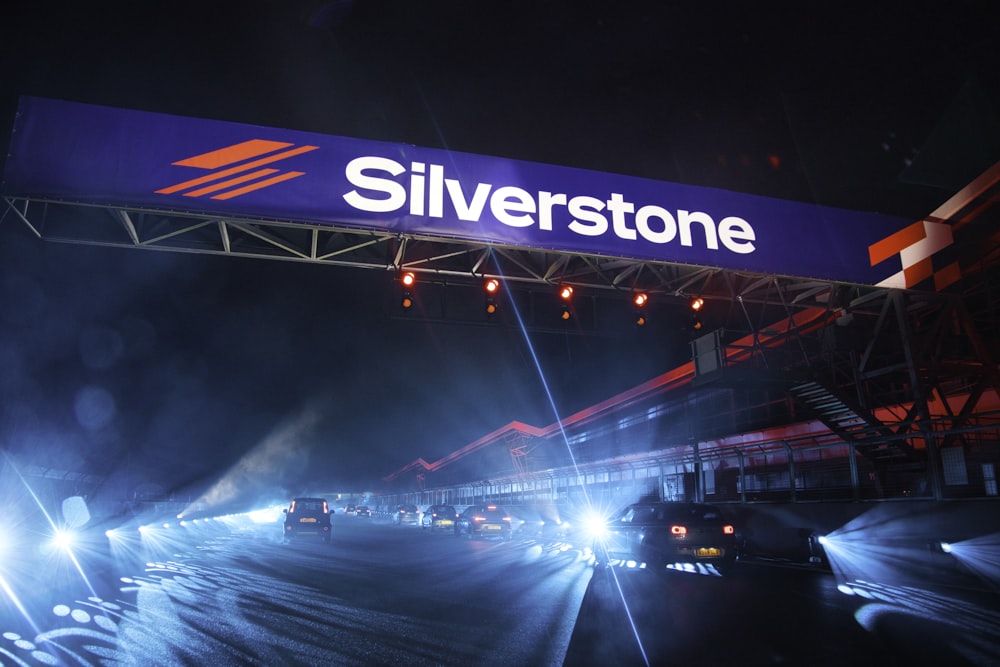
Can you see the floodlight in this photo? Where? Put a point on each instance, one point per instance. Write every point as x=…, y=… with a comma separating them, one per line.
x=63, y=539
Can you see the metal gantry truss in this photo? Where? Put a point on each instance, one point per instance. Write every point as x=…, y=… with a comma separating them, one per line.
x=441, y=259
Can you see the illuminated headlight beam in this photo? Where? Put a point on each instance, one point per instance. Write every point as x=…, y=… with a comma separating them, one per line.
x=979, y=555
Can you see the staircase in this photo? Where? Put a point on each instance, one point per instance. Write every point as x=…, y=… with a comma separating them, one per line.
x=872, y=439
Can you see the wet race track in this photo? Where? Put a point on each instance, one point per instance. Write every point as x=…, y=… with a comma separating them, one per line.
x=231, y=593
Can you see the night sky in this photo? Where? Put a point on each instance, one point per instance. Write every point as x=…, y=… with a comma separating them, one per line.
x=166, y=369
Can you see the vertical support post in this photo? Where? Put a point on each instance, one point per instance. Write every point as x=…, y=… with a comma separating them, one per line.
x=743, y=477
x=791, y=469
x=852, y=460
x=920, y=401
x=699, y=486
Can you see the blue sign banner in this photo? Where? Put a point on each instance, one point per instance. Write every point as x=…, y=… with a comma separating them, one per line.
x=65, y=151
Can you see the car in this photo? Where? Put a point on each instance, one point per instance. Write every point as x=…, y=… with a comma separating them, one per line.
x=661, y=533
x=363, y=510
x=350, y=510
x=439, y=517
x=406, y=514
x=487, y=520
x=547, y=521
x=307, y=516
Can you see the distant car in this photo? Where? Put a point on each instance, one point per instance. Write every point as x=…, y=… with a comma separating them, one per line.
x=527, y=521
x=484, y=521
x=662, y=533
x=542, y=521
x=363, y=511
x=350, y=510
x=307, y=516
x=439, y=517
x=406, y=514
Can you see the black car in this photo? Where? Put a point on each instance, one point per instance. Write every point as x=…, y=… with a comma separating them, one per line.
x=662, y=533
x=307, y=516
x=439, y=517
x=363, y=510
x=408, y=514
x=484, y=521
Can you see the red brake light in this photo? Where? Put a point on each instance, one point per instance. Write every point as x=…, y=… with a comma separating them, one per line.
x=479, y=517
x=507, y=519
x=678, y=530
x=728, y=530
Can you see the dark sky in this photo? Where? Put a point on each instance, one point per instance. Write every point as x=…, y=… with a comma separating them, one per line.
x=167, y=368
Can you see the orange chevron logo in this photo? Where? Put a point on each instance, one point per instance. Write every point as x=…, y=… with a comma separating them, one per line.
x=238, y=169
x=915, y=246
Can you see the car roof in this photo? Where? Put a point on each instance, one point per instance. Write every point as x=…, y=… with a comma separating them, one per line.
x=674, y=511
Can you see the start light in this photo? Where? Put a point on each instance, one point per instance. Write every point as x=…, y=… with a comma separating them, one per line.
x=728, y=530
x=678, y=530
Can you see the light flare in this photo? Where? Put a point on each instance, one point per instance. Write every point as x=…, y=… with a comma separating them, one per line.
x=566, y=294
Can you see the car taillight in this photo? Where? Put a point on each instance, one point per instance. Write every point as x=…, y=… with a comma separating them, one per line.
x=507, y=519
x=678, y=530
x=728, y=530
x=479, y=518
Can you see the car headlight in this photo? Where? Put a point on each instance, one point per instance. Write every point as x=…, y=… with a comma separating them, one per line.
x=596, y=526
x=63, y=539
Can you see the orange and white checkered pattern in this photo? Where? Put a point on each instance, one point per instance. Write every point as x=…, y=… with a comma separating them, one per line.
x=915, y=246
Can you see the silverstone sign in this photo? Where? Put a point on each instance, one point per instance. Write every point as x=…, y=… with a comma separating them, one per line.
x=64, y=151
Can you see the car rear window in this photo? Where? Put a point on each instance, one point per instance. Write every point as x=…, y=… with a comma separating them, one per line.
x=307, y=506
